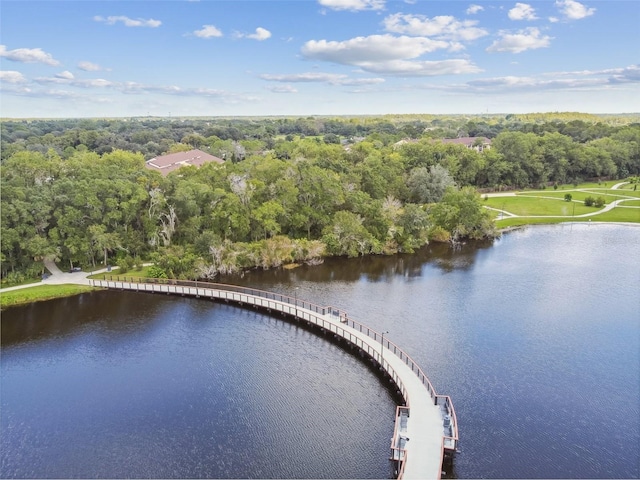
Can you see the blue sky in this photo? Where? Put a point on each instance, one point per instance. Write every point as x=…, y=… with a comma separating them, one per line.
x=317, y=57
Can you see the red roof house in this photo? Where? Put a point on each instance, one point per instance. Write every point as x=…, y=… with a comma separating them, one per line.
x=168, y=163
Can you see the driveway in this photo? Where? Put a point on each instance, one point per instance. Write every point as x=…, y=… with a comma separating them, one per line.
x=58, y=277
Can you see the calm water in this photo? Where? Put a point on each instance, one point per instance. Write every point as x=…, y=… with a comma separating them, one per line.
x=536, y=338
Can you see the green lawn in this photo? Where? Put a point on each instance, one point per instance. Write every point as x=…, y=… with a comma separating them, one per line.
x=144, y=273
x=531, y=205
x=550, y=204
x=627, y=215
x=514, y=222
x=608, y=194
x=40, y=292
x=619, y=214
x=608, y=184
x=629, y=187
x=28, y=281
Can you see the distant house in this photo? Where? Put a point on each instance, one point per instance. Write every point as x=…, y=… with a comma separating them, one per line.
x=476, y=143
x=168, y=163
x=405, y=141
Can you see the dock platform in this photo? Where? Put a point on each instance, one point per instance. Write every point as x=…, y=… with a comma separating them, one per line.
x=426, y=428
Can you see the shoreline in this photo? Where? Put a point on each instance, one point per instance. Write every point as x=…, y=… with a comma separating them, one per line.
x=80, y=279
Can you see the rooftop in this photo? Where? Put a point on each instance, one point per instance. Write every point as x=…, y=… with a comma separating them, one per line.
x=168, y=163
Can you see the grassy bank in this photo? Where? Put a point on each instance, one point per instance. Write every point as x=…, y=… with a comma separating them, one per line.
x=133, y=273
x=549, y=206
x=39, y=293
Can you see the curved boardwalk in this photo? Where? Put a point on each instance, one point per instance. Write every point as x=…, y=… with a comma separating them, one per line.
x=426, y=430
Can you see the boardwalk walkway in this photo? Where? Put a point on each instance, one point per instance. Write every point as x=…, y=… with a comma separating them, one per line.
x=426, y=427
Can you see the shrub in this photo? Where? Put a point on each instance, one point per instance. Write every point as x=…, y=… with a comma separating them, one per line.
x=589, y=201
x=156, y=272
x=125, y=264
x=599, y=202
x=15, y=278
x=439, y=234
x=568, y=197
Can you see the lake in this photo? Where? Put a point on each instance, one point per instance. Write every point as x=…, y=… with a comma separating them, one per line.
x=535, y=336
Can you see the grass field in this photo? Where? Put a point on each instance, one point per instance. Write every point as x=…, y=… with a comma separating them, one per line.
x=549, y=206
x=133, y=273
x=40, y=292
x=530, y=205
x=608, y=195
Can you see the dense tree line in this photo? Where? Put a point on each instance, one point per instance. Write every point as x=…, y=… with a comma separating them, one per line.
x=230, y=136
x=78, y=191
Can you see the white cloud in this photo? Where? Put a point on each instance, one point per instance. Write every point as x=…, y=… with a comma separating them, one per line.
x=28, y=55
x=554, y=19
x=473, y=9
x=67, y=75
x=581, y=80
x=208, y=31
x=330, y=78
x=387, y=54
x=28, y=92
x=11, y=76
x=630, y=74
x=574, y=10
x=89, y=67
x=260, y=34
x=67, y=78
x=128, y=22
x=134, y=88
x=503, y=84
x=442, y=27
x=375, y=48
x=425, y=68
x=91, y=87
x=282, y=89
x=353, y=5
x=527, y=39
x=522, y=11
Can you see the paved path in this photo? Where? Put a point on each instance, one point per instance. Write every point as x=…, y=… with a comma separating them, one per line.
x=618, y=185
x=606, y=208
x=58, y=277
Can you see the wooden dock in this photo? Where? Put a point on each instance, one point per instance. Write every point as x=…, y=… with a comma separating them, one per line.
x=426, y=428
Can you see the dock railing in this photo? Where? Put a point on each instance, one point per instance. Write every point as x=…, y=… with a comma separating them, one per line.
x=300, y=308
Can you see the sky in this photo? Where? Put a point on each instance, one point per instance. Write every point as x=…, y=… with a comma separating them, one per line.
x=91, y=58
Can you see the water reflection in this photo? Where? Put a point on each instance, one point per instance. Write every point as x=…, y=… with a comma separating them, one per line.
x=374, y=268
x=535, y=337
x=184, y=388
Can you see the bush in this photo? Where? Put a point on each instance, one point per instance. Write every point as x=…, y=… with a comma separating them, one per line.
x=568, y=197
x=156, y=272
x=125, y=264
x=589, y=201
x=599, y=202
x=15, y=278
x=439, y=234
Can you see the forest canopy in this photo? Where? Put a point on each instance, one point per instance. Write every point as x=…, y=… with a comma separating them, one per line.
x=290, y=190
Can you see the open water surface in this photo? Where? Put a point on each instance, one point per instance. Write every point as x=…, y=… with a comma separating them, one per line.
x=536, y=337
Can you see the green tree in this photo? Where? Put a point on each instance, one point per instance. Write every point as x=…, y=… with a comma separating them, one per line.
x=429, y=186
x=348, y=236
x=461, y=214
